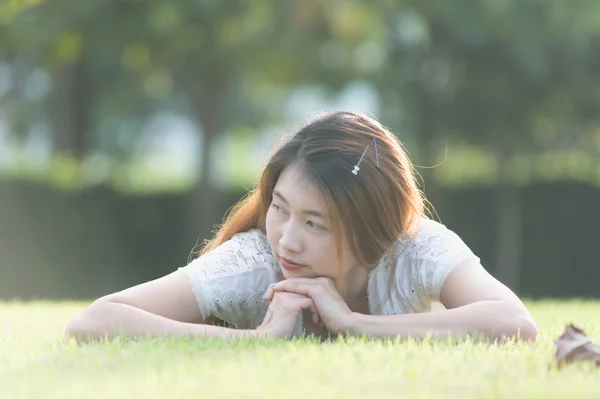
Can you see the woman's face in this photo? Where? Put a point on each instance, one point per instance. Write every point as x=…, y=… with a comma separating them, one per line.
x=299, y=231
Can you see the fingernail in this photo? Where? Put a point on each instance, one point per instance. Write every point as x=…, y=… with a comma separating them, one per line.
x=273, y=285
x=266, y=294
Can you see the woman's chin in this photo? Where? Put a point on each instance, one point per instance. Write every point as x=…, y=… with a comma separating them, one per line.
x=287, y=273
x=295, y=273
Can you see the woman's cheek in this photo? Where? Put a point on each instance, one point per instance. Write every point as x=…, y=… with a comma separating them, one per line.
x=270, y=218
x=272, y=228
x=269, y=226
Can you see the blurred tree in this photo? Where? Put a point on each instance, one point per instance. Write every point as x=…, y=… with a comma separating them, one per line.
x=124, y=60
x=514, y=78
x=511, y=78
x=215, y=52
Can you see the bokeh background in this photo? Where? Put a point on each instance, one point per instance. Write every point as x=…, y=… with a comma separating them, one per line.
x=128, y=128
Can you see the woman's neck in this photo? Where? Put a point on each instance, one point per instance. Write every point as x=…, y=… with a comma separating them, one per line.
x=355, y=284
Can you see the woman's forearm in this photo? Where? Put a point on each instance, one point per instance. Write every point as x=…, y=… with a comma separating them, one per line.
x=110, y=319
x=492, y=319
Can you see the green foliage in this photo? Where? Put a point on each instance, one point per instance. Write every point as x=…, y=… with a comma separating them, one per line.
x=513, y=79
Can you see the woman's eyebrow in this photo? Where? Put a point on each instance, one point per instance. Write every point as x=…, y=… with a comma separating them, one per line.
x=306, y=211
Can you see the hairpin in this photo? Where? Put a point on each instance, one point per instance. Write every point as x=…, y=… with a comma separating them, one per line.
x=356, y=168
x=376, y=154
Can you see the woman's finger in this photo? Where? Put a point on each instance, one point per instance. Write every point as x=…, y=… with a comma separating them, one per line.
x=305, y=302
x=268, y=294
x=306, y=287
x=315, y=313
x=315, y=318
x=298, y=285
x=285, y=286
x=312, y=306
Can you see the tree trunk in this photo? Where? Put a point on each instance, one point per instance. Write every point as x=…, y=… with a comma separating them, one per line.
x=509, y=229
x=203, y=209
x=70, y=111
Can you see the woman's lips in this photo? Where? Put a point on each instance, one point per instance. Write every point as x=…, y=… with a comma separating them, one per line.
x=288, y=264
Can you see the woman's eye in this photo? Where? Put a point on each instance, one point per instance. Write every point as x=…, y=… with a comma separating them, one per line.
x=276, y=207
x=313, y=224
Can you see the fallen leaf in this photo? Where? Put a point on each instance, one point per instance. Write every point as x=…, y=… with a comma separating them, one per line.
x=575, y=346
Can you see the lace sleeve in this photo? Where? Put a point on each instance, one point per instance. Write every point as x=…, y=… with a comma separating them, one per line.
x=426, y=262
x=229, y=282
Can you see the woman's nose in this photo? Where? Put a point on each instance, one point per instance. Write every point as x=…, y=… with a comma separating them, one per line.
x=289, y=239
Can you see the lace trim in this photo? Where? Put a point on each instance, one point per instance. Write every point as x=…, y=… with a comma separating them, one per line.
x=241, y=253
x=433, y=241
x=212, y=278
x=242, y=308
x=405, y=279
x=419, y=267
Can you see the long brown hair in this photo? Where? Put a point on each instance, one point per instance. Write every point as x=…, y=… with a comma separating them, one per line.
x=375, y=208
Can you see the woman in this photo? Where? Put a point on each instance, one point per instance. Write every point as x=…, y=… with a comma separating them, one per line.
x=334, y=240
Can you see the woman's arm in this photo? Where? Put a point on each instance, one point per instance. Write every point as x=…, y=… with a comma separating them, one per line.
x=477, y=304
x=162, y=307
x=490, y=319
x=105, y=318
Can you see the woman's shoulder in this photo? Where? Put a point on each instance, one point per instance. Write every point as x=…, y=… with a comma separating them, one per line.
x=434, y=249
x=243, y=252
x=419, y=265
x=228, y=282
x=252, y=242
x=433, y=241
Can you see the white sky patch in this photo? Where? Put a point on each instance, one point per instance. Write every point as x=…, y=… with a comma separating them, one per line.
x=37, y=85
x=38, y=147
x=3, y=143
x=171, y=144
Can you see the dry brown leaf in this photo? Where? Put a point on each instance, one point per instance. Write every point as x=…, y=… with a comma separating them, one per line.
x=575, y=346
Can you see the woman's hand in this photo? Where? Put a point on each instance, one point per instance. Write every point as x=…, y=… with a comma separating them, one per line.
x=331, y=307
x=282, y=314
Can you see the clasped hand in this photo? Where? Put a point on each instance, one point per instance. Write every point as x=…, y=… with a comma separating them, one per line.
x=292, y=296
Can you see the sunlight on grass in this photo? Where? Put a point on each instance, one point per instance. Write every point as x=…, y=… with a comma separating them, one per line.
x=38, y=362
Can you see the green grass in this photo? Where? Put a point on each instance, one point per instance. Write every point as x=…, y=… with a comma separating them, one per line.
x=36, y=362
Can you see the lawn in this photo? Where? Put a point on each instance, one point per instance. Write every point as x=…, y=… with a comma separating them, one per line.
x=36, y=362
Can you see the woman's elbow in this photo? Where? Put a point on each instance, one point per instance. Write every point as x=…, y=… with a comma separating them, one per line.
x=527, y=329
x=522, y=327
x=83, y=327
x=512, y=322
x=79, y=329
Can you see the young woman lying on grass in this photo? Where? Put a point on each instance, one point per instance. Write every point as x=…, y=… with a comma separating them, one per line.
x=334, y=240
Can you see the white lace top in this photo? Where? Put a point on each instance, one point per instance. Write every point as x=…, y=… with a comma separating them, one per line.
x=229, y=282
